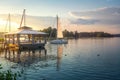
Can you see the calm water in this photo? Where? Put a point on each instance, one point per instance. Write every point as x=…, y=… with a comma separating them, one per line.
x=82, y=59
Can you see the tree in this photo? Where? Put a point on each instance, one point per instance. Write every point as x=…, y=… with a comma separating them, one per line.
x=76, y=34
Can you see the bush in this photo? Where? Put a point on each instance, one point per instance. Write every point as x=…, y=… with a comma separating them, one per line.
x=8, y=75
x=1, y=39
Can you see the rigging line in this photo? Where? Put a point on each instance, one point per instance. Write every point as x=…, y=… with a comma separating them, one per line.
x=7, y=21
x=23, y=18
x=50, y=35
x=54, y=23
x=57, y=19
x=6, y=26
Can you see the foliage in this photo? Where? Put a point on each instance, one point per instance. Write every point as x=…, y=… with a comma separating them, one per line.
x=53, y=31
x=8, y=75
x=94, y=34
x=1, y=39
x=70, y=34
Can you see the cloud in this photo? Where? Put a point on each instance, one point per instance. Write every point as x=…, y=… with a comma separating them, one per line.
x=36, y=22
x=84, y=21
x=106, y=15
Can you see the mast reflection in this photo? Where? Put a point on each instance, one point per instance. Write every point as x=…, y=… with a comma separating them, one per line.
x=59, y=56
x=39, y=58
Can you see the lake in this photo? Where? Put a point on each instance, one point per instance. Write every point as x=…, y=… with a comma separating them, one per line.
x=81, y=59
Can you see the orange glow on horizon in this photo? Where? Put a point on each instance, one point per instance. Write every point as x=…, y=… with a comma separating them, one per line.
x=4, y=26
x=39, y=24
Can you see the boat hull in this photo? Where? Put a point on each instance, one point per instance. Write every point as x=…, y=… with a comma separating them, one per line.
x=59, y=41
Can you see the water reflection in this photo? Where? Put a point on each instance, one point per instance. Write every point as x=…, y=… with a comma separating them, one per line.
x=26, y=57
x=30, y=61
x=75, y=62
x=34, y=58
x=59, y=56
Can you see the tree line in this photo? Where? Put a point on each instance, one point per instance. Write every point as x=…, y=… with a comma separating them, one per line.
x=53, y=31
x=74, y=34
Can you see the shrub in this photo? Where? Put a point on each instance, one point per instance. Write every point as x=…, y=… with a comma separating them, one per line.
x=8, y=75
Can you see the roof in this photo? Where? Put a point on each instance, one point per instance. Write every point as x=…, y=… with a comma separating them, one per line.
x=26, y=31
x=25, y=27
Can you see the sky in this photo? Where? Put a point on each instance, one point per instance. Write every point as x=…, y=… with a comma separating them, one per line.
x=80, y=15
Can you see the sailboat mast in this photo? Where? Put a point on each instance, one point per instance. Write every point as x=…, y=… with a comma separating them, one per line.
x=57, y=27
x=23, y=18
x=9, y=22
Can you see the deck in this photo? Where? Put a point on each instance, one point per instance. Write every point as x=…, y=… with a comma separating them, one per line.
x=31, y=46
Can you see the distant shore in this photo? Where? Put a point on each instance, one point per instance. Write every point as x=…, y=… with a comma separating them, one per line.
x=95, y=34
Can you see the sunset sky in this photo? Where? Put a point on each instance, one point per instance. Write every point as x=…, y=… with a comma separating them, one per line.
x=80, y=15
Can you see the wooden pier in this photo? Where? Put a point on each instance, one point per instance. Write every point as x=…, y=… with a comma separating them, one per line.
x=25, y=37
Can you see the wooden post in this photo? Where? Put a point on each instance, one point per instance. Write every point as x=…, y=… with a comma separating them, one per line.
x=9, y=38
x=13, y=39
x=39, y=39
x=5, y=39
x=18, y=56
x=33, y=38
x=18, y=39
x=29, y=37
x=45, y=39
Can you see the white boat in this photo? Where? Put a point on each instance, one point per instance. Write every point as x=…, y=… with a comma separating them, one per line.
x=59, y=39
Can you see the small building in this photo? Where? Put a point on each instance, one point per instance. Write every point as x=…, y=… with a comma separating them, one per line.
x=25, y=37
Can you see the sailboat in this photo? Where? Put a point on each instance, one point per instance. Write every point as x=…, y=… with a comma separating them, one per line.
x=59, y=39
